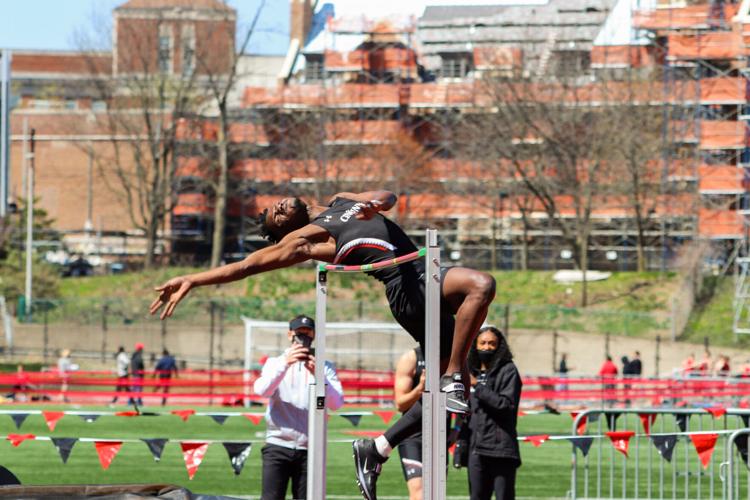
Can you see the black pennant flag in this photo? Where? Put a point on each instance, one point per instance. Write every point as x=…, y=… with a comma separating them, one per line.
x=746, y=419
x=582, y=443
x=156, y=446
x=612, y=420
x=238, y=453
x=352, y=418
x=219, y=419
x=64, y=447
x=18, y=418
x=89, y=418
x=741, y=443
x=665, y=445
x=682, y=420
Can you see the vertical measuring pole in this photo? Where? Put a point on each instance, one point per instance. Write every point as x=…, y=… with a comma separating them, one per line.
x=317, y=422
x=433, y=401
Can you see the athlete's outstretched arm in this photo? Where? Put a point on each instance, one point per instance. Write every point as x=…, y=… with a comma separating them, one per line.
x=298, y=246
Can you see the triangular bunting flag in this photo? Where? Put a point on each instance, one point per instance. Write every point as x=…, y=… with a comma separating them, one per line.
x=238, y=453
x=717, y=411
x=219, y=419
x=741, y=443
x=536, y=440
x=18, y=418
x=551, y=409
x=253, y=417
x=107, y=450
x=612, y=420
x=582, y=443
x=16, y=439
x=647, y=419
x=386, y=416
x=64, y=447
x=130, y=413
x=193, y=453
x=665, y=445
x=682, y=421
x=156, y=446
x=621, y=440
x=704, y=445
x=51, y=417
x=89, y=418
x=745, y=419
x=352, y=418
x=521, y=413
x=581, y=428
x=183, y=414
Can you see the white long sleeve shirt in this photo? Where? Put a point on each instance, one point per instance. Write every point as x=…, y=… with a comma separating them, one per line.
x=286, y=388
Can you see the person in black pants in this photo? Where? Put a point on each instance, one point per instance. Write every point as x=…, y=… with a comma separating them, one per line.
x=493, y=448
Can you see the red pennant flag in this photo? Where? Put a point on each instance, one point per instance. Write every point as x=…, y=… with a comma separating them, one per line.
x=452, y=449
x=193, y=455
x=521, y=413
x=126, y=413
x=51, y=417
x=621, y=440
x=255, y=418
x=386, y=416
x=183, y=414
x=16, y=439
x=717, y=411
x=107, y=450
x=647, y=420
x=704, y=445
x=581, y=429
x=536, y=440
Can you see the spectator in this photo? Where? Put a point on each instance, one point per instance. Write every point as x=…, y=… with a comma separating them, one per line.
x=636, y=367
x=164, y=369
x=608, y=370
x=562, y=370
x=122, y=367
x=138, y=370
x=64, y=367
x=722, y=368
x=284, y=380
x=625, y=366
x=21, y=384
x=688, y=366
x=493, y=450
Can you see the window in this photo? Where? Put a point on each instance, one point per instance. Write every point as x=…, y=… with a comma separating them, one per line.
x=188, y=50
x=70, y=104
x=99, y=106
x=455, y=64
x=314, y=67
x=572, y=62
x=164, y=53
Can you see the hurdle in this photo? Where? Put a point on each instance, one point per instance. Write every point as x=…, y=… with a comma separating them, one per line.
x=433, y=401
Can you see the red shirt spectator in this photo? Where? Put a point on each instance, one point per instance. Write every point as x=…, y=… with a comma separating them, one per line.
x=608, y=369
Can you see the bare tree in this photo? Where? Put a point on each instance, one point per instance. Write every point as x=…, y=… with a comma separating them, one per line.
x=220, y=83
x=141, y=98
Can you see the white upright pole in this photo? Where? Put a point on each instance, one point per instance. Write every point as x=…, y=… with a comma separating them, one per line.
x=433, y=401
x=317, y=419
x=5, y=57
x=248, y=362
x=30, y=224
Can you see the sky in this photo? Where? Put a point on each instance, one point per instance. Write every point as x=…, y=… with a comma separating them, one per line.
x=53, y=24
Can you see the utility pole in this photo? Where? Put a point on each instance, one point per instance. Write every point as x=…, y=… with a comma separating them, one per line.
x=5, y=57
x=30, y=221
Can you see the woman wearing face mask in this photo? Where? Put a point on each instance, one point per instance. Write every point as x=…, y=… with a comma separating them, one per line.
x=493, y=450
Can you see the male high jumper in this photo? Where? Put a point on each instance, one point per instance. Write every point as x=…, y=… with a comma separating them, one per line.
x=351, y=231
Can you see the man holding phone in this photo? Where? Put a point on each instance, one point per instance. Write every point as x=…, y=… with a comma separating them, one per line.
x=284, y=380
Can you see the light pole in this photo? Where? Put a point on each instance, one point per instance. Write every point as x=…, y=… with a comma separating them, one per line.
x=30, y=221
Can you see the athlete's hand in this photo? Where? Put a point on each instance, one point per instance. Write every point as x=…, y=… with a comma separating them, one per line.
x=370, y=209
x=170, y=294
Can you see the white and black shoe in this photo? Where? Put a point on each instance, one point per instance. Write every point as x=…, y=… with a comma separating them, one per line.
x=455, y=401
x=367, y=462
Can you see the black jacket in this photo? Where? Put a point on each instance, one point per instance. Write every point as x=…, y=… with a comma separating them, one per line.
x=494, y=414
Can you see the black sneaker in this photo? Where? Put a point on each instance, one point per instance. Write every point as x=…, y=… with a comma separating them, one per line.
x=367, y=462
x=456, y=400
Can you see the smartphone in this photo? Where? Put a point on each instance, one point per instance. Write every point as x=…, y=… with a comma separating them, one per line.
x=303, y=340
